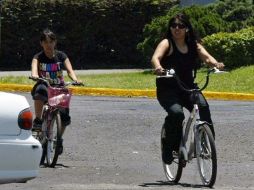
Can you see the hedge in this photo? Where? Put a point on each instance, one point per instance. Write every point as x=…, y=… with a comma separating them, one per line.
x=222, y=16
x=204, y=21
x=234, y=49
x=93, y=33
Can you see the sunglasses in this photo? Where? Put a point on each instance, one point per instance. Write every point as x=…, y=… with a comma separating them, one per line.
x=179, y=25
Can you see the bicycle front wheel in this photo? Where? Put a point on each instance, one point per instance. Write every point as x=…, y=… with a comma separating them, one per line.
x=206, y=155
x=173, y=171
x=54, y=138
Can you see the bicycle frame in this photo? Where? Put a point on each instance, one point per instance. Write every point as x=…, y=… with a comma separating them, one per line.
x=193, y=121
x=47, y=112
x=199, y=136
x=58, y=97
x=47, y=135
x=188, y=127
x=191, y=126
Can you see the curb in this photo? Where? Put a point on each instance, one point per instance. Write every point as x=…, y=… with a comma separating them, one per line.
x=130, y=92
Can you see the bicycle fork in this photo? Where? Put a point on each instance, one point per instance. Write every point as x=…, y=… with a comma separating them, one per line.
x=46, y=127
x=49, y=133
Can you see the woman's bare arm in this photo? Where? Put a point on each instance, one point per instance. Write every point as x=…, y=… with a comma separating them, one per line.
x=207, y=58
x=159, y=52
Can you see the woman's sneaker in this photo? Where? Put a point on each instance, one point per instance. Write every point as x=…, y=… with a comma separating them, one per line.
x=37, y=124
x=60, y=146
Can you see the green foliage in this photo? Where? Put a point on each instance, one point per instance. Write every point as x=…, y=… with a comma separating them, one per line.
x=237, y=13
x=94, y=33
x=234, y=49
x=105, y=33
x=222, y=16
x=204, y=21
x=155, y=31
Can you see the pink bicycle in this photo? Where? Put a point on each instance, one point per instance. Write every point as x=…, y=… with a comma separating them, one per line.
x=51, y=134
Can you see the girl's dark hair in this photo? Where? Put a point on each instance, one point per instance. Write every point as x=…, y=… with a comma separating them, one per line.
x=190, y=37
x=47, y=33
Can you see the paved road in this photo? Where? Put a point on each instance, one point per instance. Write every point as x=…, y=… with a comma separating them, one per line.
x=113, y=143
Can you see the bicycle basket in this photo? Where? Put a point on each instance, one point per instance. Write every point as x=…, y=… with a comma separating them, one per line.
x=59, y=97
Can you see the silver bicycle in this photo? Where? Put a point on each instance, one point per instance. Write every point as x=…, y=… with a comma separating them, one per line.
x=197, y=140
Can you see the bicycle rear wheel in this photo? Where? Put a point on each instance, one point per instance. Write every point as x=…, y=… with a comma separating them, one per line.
x=174, y=170
x=54, y=138
x=206, y=155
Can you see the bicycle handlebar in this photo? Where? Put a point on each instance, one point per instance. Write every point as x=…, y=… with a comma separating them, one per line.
x=48, y=80
x=171, y=74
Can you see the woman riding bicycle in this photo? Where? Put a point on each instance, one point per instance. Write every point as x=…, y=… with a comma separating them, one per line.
x=49, y=63
x=180, y=50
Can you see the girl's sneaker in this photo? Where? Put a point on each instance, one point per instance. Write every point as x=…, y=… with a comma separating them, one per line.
x=37, y=124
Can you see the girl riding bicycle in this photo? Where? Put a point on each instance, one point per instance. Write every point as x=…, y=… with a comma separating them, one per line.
x=179, y=50
x=49, y=63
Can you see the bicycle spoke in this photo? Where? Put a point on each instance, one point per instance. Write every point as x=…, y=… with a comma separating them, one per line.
x=173, y=171
x=206, y=156
x=52, y=149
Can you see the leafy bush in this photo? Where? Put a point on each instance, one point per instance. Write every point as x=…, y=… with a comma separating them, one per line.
x=234, y=49
x=94, y=33
x=204, y=20
x=222, y=16
x=237, y=13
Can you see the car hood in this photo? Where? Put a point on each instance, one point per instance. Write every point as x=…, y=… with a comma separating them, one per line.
x=10, y=107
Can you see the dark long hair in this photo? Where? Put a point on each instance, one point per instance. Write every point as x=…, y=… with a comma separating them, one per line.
x=190, y=37
x=47, y=33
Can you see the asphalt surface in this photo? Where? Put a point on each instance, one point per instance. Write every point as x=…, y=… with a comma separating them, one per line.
x=114, y=143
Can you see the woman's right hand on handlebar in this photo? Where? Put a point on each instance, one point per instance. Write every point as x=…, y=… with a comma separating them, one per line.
x=34, y=77
x=159, y=71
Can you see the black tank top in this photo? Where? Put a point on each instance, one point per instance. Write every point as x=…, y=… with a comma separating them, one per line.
x=184, y=65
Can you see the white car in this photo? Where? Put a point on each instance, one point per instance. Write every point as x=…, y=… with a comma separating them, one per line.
x=20, y=152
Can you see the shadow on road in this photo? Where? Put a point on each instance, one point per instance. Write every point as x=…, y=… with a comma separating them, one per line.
x=56, y=166
x=166, y=183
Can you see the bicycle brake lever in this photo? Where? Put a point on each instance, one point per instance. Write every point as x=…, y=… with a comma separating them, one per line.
x=170, y=73
x=217, y=71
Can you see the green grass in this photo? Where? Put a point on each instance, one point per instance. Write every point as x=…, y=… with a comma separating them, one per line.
x=239, y=80
x=140, y=80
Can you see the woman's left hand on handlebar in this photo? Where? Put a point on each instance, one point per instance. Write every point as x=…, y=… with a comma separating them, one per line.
x=219, y=65
x=79, y=83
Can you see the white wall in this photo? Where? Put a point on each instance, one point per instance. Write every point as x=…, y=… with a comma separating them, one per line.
x=191, y=2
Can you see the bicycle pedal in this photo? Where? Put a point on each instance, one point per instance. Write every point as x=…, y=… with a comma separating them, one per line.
x=36, y=129
x=175, y=154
